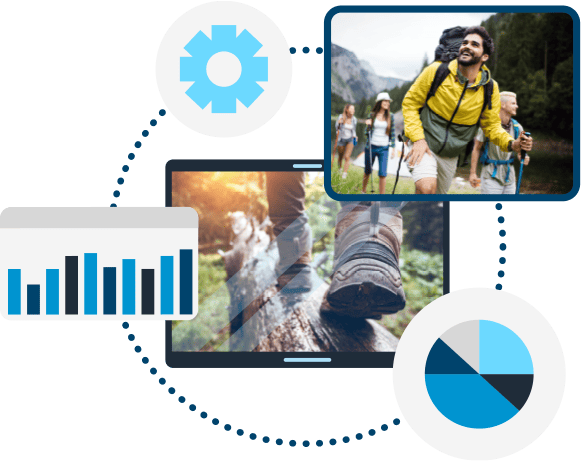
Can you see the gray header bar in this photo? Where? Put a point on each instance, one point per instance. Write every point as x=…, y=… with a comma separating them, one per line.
x=96, y=218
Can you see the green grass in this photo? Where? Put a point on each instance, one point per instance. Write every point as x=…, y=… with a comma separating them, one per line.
x=353, y=183
x=422, y=275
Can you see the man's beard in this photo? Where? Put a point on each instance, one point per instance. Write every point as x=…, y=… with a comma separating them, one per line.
x=471, y=62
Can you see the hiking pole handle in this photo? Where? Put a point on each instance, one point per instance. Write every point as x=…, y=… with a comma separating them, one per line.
x=523, y=152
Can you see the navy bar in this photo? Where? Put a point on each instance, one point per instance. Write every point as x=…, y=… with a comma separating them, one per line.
x=148, y=291
x=33, y=299
x=109, y=290
x=186, y=290
x=71, y=285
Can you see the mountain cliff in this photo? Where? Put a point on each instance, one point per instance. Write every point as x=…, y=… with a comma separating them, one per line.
x=353, y=79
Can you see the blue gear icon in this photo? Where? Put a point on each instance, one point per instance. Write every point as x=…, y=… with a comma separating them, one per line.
x=245, y=89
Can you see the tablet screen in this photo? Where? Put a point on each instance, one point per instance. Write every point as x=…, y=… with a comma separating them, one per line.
x=290, y=277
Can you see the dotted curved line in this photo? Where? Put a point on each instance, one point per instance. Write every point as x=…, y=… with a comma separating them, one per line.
x=306, y=50
x=131, y=156
x=240, y=432
x=502, y=233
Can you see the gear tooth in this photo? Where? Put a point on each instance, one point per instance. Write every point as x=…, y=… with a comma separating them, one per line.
x=247, y=44
x=199, y=44
x=223, y=37
x=247, y=92
x=191, y=69
x=201, y=93
x=224, y=101
x=256, y=69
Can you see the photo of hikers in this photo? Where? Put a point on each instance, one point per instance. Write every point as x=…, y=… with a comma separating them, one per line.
x=284, y=268
x=452, y=103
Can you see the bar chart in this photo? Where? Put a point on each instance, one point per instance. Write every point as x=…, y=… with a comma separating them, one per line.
x=76, y=272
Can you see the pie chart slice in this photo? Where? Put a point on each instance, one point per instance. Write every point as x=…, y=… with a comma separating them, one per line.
x=479, y=374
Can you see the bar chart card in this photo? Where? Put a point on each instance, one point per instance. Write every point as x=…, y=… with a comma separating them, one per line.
x=99, y=263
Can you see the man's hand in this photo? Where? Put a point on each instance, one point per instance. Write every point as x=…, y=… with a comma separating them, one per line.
x=523, y=142
x=415, y=156
x=527, y=159
x=474, y=180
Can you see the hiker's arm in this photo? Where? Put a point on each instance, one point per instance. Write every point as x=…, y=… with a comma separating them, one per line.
x=474, y=181
x=414, y=101
x=491, y=125
x=338, y=122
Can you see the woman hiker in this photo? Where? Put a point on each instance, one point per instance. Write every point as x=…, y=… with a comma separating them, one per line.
x=382, y=137
x=346, y=126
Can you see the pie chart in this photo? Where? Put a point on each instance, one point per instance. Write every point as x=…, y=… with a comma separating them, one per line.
x=479, y=374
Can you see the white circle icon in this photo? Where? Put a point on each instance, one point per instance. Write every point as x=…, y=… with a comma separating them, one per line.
x=223, y=69
x=498, y=408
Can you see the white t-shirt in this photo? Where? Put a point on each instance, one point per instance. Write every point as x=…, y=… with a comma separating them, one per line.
x=347, y=130
x=378, y=136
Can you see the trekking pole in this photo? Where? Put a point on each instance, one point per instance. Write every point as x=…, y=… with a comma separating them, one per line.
x=368, y=147
x=400, y=139
x=523, y=155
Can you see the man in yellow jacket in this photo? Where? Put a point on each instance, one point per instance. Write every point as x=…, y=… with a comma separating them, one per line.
x=451, y=116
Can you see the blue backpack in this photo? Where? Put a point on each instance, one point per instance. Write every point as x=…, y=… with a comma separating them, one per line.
x=486, y=160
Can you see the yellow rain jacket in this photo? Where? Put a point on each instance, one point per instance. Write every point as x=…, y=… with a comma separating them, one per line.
x=449, y=120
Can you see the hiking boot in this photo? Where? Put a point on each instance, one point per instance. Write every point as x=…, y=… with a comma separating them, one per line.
x=294, y=249
x=366, y=280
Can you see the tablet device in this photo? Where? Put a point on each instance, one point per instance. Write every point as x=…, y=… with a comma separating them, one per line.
x=256, y=309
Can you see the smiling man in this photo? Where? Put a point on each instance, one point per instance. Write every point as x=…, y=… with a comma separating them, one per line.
x=444, y=108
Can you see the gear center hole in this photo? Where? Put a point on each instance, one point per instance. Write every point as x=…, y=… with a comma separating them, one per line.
x=224, y=69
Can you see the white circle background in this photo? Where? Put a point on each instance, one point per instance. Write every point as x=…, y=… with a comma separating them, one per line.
x=274, y=46
x=479, y=304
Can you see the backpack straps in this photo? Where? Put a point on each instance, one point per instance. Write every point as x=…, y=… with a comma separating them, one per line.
x=441, y=73
x=517, y=127
x=488, y=90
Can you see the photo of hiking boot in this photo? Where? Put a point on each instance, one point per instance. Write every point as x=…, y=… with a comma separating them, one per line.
x=366, y=279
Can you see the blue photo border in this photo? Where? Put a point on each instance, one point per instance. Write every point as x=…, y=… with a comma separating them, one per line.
x=451, y=9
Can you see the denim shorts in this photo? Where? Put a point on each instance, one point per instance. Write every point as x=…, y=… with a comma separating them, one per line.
x=381, y=152
x=344, y=141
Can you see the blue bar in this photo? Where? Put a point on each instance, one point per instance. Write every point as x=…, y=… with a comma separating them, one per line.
x=33, y=299
x=166, y=285
x=90, y=283
x=14, y=292
x=52, y=292
x=129, y=286
x=186, y=274
x=307, y=165
x=305, y=359
x=109, y=290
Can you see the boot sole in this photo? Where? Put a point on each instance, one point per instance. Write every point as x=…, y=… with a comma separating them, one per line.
x=366, y=288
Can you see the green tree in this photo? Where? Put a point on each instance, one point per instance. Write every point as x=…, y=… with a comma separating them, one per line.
x=560, y=97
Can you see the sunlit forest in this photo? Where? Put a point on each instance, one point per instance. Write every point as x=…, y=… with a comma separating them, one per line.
x=215, y=196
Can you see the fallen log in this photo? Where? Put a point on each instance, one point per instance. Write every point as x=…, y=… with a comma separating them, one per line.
x=266, y=318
